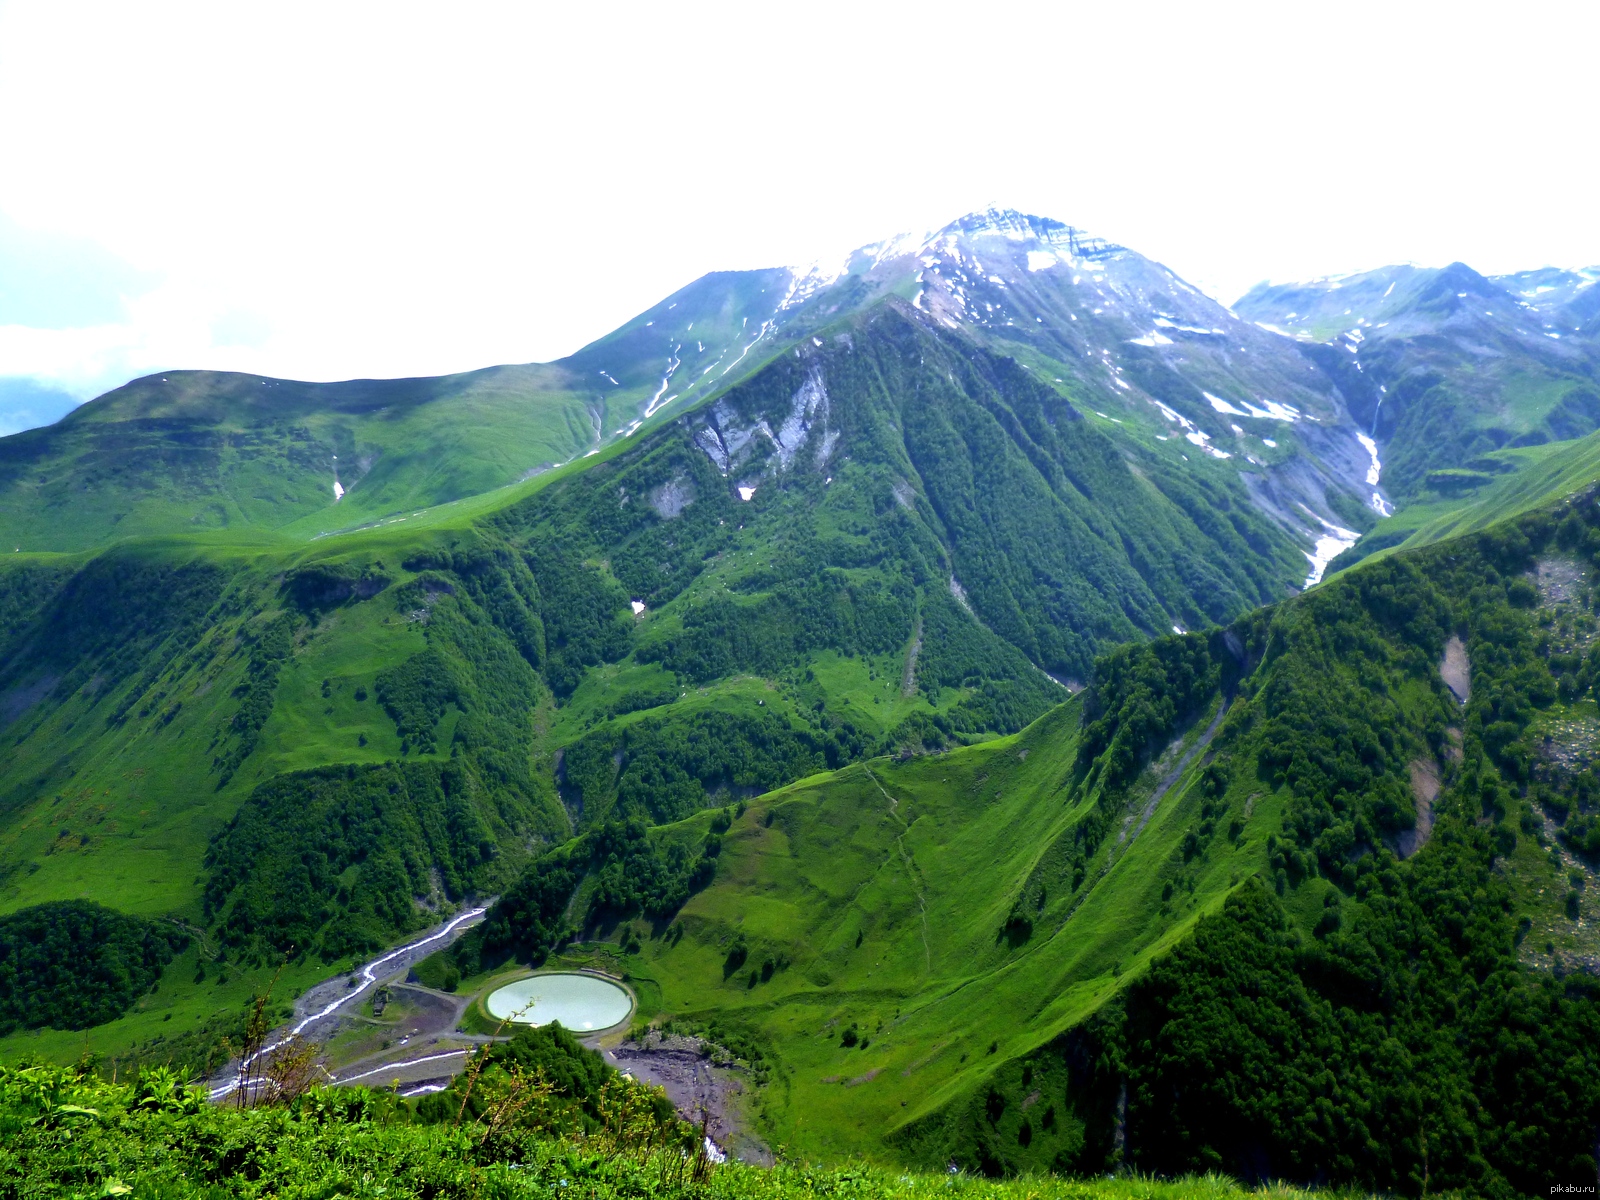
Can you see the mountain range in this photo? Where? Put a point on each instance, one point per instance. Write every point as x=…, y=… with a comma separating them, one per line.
x=986, y=644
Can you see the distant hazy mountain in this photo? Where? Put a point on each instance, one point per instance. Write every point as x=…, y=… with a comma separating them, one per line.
x=1445, y=366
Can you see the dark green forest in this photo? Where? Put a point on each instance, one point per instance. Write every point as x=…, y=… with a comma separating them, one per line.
x=634, y=874
x=73, y=963
x=1393, y=1040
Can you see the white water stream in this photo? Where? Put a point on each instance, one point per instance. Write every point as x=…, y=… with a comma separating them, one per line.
x=370, y=974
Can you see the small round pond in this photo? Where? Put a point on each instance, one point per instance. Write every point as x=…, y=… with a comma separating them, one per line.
x=582, y=1003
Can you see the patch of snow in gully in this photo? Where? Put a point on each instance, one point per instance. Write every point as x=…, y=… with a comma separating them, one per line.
x=1334, y=542
x=1374, y=472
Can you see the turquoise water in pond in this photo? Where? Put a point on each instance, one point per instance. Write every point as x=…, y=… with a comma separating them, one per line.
x=580, y=1002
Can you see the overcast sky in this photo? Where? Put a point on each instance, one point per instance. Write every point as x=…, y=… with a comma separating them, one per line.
x=330, y=190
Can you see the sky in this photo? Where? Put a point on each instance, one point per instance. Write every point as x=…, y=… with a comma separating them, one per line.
x=332, y=190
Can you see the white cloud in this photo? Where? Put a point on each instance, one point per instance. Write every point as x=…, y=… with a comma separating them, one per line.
x=381, y=189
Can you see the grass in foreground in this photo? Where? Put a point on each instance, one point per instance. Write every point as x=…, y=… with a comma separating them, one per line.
x=68, y=1135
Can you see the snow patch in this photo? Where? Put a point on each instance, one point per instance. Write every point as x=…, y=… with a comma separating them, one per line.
x=1333, y=542
x=1172, y=415
x=1222, y=406
x=1371, y=447
x=1039, y=260
x=338, y=490
x=673, y=363
x=638, y=607
x=1166, y=323
x=1203, y=440
x=745, y=493
x=1379, y=505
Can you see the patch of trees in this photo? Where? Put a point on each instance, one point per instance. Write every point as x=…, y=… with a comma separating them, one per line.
x=499, y=582
x=271, y=647
x=634, y=875
x=331, y=860
x=663, y=769
x=796, y=618
x=586, y=615
x=578, y=1079
x=1403, y=1050
x=415, y=695
x=1138, y=697
x=119, y=621
x=1335, y=705
x=957, y=652
x=26, y=589
x=318, y=587
x=70, y=964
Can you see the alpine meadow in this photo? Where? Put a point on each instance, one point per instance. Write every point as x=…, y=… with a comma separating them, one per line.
x=999, y=722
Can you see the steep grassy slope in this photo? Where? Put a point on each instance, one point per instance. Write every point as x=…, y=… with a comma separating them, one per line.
x=881, y=902
x=189, y=450
x=1519, y=481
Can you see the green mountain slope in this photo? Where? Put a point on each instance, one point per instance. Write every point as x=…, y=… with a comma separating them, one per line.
x=1167, y=372
x=188, y=450
x=835, y=584
x=1524, y=479
x=970, y=956
x=890, y=538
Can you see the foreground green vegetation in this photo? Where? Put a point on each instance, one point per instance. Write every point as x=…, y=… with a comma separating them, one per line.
x=78, y=1136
